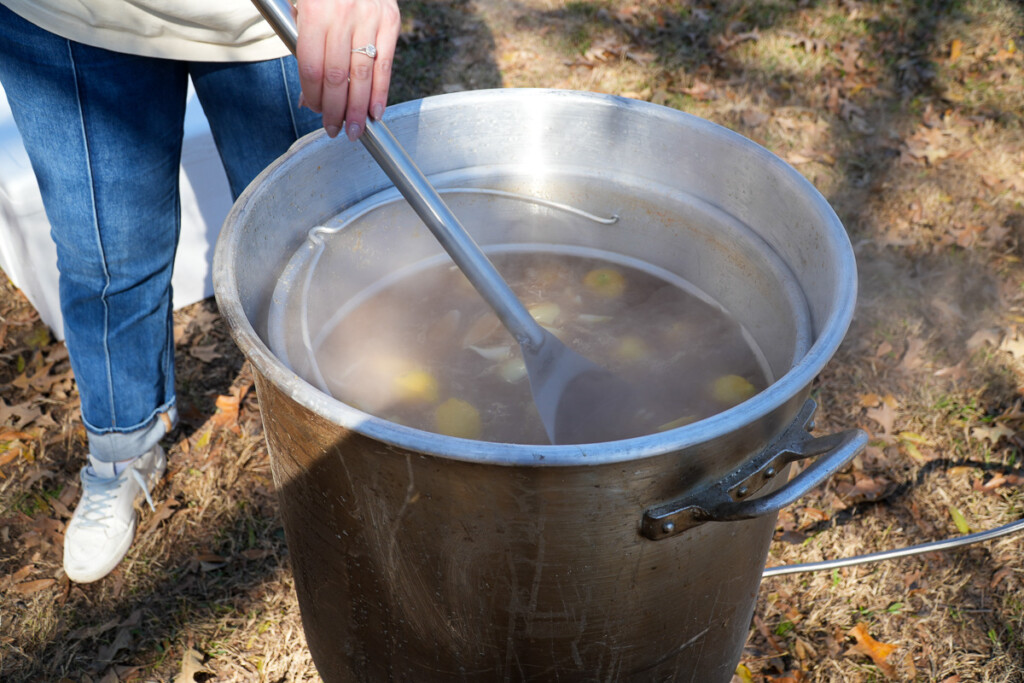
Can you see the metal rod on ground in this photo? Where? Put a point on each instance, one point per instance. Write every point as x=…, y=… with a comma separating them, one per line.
x=935, y=546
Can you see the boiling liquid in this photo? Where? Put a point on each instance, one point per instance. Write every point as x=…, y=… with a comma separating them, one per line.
x=427, y=352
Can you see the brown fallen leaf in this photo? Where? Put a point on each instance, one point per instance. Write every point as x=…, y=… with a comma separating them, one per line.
x=24, y=413
x=913, y=357
x=817, y=514
x=124, y=639
x=1014, y=346
x=163, y=511
x=928, y=144
x=191, y=665
x=731, y=40
x=960, y=471
x=208, y=562
x=205, y=320
x=909, y=667
x=810, y=45
x=864, y=487
x=92, y=631
x=954, y=372
x=1004, y=54
x=767, y=634
x=207, y=353
x=41, y=380
x=804, y=650
x=956, y=48
x=884, y=415
x=700, y=90
x=752, y=118
x=1000, y=576
x=869, y=400
x=21, y=574
x=878, y=651
x=989, y=486
x=9, y=456
x=32, y=587
x=227, y=412
x=990, y=336
x=992, y=433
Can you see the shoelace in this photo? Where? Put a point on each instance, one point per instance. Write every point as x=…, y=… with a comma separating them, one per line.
x=100, y=492
x=141, y=480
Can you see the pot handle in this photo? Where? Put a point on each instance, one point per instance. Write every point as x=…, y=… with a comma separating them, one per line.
x=730, y=499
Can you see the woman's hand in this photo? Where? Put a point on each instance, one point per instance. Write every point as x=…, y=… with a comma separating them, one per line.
x=342, y=85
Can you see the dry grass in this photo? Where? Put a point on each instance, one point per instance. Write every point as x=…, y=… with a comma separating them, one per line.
x=907, y=116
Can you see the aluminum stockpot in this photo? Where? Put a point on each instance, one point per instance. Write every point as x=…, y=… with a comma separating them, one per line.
x=421, y=557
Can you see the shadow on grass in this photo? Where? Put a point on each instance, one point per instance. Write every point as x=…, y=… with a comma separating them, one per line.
x=874, y=92
x=210, y=547
x=437, y=52
x=444, y=46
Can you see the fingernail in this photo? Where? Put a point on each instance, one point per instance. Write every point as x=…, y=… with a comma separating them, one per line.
x=302, y=100
x=332, y=131
x=377, y=111
x=353, y=131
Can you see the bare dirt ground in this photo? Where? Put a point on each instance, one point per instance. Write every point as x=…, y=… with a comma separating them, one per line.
x=906, y=115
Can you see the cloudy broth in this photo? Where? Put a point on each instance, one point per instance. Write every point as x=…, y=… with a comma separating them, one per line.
x=427, y=352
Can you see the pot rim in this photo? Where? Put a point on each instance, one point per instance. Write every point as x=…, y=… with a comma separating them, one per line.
x=777, y=395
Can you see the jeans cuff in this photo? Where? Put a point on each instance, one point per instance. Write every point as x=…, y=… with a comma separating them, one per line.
x=117, y=446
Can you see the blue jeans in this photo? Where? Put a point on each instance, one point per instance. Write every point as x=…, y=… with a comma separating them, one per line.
x=104, y=133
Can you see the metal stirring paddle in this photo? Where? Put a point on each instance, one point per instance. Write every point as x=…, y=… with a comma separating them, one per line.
x=578, y=401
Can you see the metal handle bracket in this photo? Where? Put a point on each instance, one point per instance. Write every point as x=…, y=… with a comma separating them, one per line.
x=730, y=499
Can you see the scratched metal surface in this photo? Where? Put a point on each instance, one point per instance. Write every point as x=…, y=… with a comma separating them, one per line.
x=412, y=567
x=418, y=557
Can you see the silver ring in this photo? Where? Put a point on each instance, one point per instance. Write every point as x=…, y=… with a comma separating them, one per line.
x=370, y=51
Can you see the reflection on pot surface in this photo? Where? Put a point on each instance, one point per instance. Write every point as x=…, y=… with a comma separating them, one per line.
x=419, y=556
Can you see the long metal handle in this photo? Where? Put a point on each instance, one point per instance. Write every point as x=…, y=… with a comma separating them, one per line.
x=466, y=253
x=427, y=203
x=731, y=499
x=896, y=553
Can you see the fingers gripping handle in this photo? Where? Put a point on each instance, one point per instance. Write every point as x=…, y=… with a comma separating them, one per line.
x=426, y=202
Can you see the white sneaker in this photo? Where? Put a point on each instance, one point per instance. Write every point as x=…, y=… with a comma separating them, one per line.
x=103, y=525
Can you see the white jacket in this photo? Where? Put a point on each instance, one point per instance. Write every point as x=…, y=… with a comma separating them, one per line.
x=193, y=30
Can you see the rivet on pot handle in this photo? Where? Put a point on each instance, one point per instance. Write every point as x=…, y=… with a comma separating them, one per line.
x=730, y=498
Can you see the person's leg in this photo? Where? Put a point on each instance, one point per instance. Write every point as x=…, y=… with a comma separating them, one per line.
x=253, y=113
x=103, y=132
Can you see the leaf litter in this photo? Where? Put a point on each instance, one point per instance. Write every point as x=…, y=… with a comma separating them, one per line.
x=907, y=116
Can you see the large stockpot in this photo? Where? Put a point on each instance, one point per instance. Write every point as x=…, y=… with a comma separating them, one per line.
x=421, y=557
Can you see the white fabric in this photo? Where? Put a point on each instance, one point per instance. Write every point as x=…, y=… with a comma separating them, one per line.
x=193, y=30
x=29, y=257
x=108, y=470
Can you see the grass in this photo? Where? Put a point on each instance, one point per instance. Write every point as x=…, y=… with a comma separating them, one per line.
x=922, y=156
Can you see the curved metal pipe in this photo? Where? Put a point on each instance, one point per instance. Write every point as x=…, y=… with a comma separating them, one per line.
x=947, y=544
